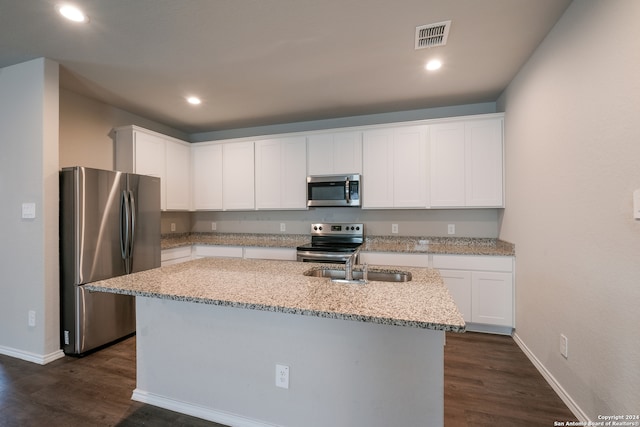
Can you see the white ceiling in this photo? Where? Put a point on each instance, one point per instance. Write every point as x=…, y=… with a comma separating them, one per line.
x=260, y=62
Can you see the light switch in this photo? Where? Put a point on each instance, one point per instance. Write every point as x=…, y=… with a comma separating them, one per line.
x=28, y=210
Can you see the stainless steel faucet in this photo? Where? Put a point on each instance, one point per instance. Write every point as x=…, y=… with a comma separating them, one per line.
x=348, y=267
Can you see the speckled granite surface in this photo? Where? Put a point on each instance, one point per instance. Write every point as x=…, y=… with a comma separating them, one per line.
x=280, y=286
x=439, y=245
x=427, y=245
x=169, y=241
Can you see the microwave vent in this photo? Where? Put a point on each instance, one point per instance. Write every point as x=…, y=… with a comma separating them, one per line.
x=432, y=35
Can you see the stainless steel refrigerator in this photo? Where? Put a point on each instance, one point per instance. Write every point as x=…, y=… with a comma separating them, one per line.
x=109, y=226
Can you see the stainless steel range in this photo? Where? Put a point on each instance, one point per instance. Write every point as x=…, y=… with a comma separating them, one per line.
x=332, y=242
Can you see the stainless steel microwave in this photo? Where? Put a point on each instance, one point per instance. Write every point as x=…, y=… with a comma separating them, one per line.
x=334, y=190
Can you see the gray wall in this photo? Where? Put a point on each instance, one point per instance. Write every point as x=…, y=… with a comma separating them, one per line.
x=572, y=151
x=29, y=173
x=469, y=223
x=86, y=130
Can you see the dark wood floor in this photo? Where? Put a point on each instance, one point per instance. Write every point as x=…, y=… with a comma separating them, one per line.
x=488, y=382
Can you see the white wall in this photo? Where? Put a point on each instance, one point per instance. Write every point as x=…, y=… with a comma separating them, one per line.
x=29, y=173
x=572, y=133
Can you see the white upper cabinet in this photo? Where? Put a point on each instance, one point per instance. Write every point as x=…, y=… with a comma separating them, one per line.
x=178, y=173
x=467, y=164
x=334, y=153
x=280, y=167
x=447, y=165
x=443, y=163
x=484, y=163
x=206, y=160
x=145, y=152
x=410, y=178
x=377, y=169
x=395, y=168
x=238, y=190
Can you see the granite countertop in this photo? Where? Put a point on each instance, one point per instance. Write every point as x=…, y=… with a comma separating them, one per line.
x=413, y=244
x=280, y=286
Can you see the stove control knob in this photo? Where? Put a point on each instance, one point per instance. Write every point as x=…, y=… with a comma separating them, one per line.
x=358, y=228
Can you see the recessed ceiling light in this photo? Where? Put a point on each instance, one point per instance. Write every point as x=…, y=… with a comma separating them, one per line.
x=433, y=65
x=72, y=13
x=194, y=100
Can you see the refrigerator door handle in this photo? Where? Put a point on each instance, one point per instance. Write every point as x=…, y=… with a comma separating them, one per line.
x=132, y=238
x=124, y=229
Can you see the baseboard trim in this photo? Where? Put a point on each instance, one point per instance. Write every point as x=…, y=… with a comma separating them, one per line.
x=555, y=385
x=197, y=411
x=489, y=329
x=40, y=359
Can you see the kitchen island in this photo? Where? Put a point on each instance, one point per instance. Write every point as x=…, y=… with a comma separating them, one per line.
x=210, y=333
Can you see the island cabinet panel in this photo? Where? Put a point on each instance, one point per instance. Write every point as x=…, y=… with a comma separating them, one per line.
x=219, y=363
x=395, y=168
x=207, y=176
x=280, y=167
x=482, y=287
x=145, y=152
x=238, y=187
x=334, y=153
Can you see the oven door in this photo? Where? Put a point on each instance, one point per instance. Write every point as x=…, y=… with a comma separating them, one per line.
x=333, y=190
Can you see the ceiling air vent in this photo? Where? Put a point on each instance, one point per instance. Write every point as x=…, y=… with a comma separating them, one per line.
x=432, y=35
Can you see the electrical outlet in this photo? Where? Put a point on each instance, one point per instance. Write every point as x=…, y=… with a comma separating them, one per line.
x=394, y=228
x=214, y=226
x=451, y=229
x=282, y=376
x=173, y=226
x=32, y=318
x=283, y=226
x=564, y=346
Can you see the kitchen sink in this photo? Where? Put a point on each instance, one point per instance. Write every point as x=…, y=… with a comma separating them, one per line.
x=376, y=275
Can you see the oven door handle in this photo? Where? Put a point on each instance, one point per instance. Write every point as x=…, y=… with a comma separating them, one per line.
x=309, y=255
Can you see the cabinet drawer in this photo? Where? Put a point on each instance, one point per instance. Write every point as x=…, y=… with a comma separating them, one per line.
x=473, y=262
x=283, y=254
x=397, y=259
x=175, y=253
x=218, y=251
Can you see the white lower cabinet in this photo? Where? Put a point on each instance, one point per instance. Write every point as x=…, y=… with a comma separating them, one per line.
x=482, y=287
x=202, y=251
x=459, y=285
x=492, y=298
x=281, y=254
x=395, y=259
x=249, y=252
x=175, y=255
